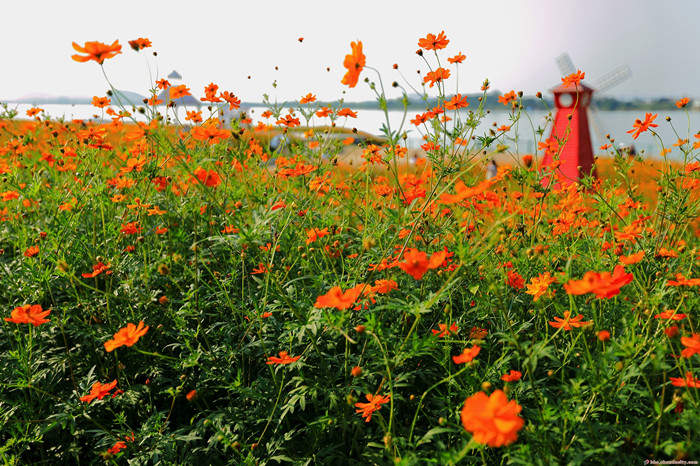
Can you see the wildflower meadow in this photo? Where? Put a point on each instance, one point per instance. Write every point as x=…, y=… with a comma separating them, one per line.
x=235, y=289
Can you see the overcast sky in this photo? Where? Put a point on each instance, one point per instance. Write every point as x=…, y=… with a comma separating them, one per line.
x=513, y=43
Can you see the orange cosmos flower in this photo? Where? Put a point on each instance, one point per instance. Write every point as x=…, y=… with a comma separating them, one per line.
x=32, y=251
x=682, y=102
x=346, y=112
x=29, y=314
x=692, y=345
x=289, y=121
x=512, y=376
x=315, y=233
x=508, y=98
x=689, y=381
x=139, y=44
x=632, y=258
x=96, y=51
x=163, y=84
x=444, y=331
x=208, y=178
x=355, y=63
x=210, y=93
x=126, y=336
x=117, y=447
x=467, y=355
x=179, y=91
x=99, y=391
x=338, y=299
x=210, y=133
x=437, y=76
x=567, y=323
x=642, y=126
x=539, y=285
x=573, y=78
x=459, y=58
x=416, y=263
x=456, y=102
x=101, y=102
x=98, y=269
x=492, y=420
x=308, y=98
x=515, y=280
x=603, y=285
x=34, y=111
x=670, y=314
x=233, y=101
x=284, y=358
x=375, y=402
x=194, y=116
x=431, y=42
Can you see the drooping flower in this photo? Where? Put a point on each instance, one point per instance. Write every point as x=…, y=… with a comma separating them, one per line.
x=283, y=358
x=96, y=51
x=467, y=355
x=29, y=314
x=126, y=336
x=492, y=420
x=375, y=404
x=139, y=44
x=99, y=391
x=459, y=58
x=568, y=322
x=355, y=63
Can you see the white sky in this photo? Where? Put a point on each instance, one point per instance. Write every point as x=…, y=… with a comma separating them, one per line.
x=511, y=42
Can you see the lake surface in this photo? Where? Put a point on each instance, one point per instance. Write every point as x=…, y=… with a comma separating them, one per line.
x=615, y=123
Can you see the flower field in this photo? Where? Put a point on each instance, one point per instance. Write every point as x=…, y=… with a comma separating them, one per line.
x=187, y=292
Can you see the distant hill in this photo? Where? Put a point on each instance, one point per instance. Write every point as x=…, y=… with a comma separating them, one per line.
x=125, y=98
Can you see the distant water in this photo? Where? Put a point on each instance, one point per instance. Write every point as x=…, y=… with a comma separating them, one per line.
x=615, y=123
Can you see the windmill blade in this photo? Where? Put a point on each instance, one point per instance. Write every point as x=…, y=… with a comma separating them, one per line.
x=566, y=66
x=613, y=78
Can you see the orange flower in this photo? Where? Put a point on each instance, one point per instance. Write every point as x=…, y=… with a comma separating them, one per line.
x=192, y=395
x=179, y=91
x=338, y=299
x=96, y=51
x=682, y=102
x=512, y=376
x=29, y=314
x=117, y=447
x=692, y=345
x=289, y=121
x=283, y=359
x=642, y=126
x=689, y=381
x=31, y=251
x=632, y=258
x=573, y=78
x=139, y=44
x=126, y=336
x=209, y=178
x=492, y=420
x=210, y=93
x=355, y=63
x=444, y=331
x=131, y=228
x=210, y=133
x=567, y=323
x=315, y=233
x=670, y=314
x=101, y=102
x=515, y=280
x=99, y=391
x=507, y=98
x=375, y=402
x=346, y=112
x=539, y=285
x=98, y=269
x=459, y=58
x=437, y=76
x=467, y=355
x=233, y=101
x=603, y=285
x=308, y=98
x=194, y=116
x=416, y=263
x=430, y=42
x=456, y=102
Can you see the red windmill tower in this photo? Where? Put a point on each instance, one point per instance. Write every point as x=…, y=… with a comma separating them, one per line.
x=571, y=122
x=570, y=134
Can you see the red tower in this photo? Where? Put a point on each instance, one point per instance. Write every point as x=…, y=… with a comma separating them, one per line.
x=576, y=153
